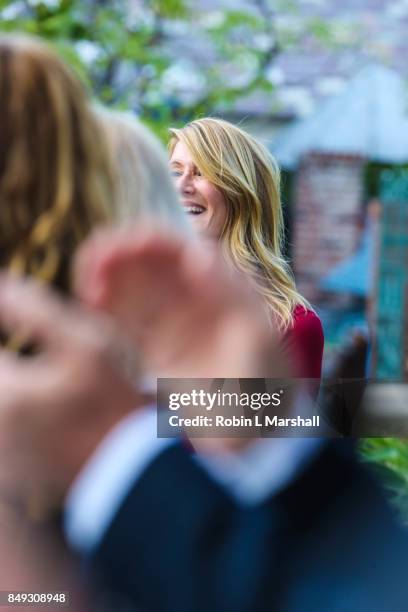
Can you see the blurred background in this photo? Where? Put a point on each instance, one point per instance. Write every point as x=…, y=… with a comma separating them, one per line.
x=324, y=85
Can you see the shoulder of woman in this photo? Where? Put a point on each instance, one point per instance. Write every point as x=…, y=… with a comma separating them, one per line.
x=306, y=326
x=305, y=340
x=305, y=316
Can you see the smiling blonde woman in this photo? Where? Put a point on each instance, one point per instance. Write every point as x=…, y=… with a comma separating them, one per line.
x=230, y=187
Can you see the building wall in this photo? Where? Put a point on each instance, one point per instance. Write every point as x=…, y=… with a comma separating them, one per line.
x=327, y=205
x=390, y=357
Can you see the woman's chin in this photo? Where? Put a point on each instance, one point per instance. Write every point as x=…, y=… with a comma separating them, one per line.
x=199, y=222
x=203, y=227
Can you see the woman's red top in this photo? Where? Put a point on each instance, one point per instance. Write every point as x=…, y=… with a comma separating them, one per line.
x=305, y=340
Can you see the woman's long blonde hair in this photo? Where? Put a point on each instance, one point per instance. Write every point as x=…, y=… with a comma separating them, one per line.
x=55, y=173
x=253, y=234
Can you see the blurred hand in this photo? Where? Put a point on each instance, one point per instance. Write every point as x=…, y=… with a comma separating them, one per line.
x=190, y=315
x=56, y=406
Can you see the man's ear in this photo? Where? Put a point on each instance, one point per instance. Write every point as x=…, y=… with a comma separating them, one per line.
x=97, y=267
x=82, y=270
x=93, y=273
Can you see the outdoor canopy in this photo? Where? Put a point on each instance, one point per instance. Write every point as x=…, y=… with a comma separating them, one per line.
x=368, y=118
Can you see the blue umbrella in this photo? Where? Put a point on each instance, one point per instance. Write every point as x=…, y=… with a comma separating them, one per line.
x=355, y=274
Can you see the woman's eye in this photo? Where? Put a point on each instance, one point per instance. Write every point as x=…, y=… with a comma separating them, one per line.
x=197, y=173
x=175, y=173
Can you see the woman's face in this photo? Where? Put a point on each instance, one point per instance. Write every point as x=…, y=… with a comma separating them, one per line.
x=202, y=201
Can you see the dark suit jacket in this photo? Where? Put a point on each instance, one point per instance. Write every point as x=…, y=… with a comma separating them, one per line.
x=328, y=543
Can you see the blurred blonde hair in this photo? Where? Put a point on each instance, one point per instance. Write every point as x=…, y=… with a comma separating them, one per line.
x=143, y=186
x=249, y=179
x=55, y=174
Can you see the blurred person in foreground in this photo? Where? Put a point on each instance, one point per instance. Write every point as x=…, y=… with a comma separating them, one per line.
x=163, y=529
x=55, y=186
x=143, y=189
x=65, y=167
x=229, y=186
x=55, y=175
x=63, y=171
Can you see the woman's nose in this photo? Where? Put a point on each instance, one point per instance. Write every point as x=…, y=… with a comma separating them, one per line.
x=185, y=183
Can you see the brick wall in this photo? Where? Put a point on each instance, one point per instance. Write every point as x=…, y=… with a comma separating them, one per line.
x=327, y=209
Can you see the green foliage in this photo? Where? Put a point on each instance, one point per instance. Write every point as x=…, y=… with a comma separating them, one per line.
x=321, y=30
x=121, y=51
x=389, y=456
x=172, y=9
x=126, y=51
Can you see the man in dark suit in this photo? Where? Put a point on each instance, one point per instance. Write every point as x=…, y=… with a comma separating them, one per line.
x=326, y=542
x=165, y=530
